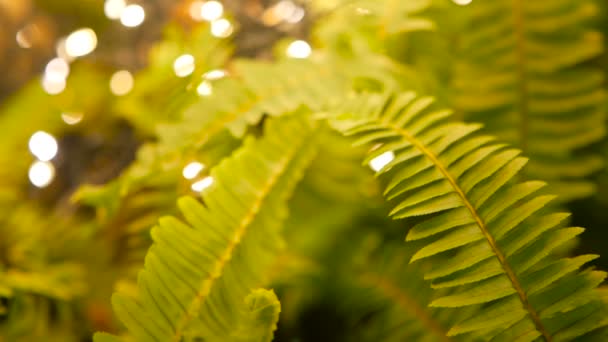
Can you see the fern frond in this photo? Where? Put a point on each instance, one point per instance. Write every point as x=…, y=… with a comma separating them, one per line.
x=406, y=315
x=198, y=273
x=498, y=238
x=524, y=73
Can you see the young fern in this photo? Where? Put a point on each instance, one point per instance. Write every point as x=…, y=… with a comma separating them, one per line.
x=197, y=274
x=524, y=72
x=461, y=187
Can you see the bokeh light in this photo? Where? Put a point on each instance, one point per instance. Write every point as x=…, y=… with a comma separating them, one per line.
x=81, y=42
x=202, y=184
x=57, y=70
x=204, y=88
x=53, y=86
x=184, y=65
x=221, y=28
x=41, y=173
x=381, y=161
x=43, y=146
x=121, y=82
x=114, y=8
x=71, y=118
x=132, y=16
x=299, y=49
x=192, y=170
x=211, y=10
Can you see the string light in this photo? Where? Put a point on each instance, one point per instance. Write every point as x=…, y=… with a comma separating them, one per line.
x=381, y=161
x=183, y=65
x=204, y=89
x=192, y=170
x=53, y=86
x=43, y=146
x=132, y=16
x=57, y=69
x=41, y=173
x=215, y=74
x=80, y=42
x=121, y=82
x=114, y=8
x=211, y=10
x=202, y=184
x=462, y=2
x=299, y=49
x=71, y=118
x=221, y=28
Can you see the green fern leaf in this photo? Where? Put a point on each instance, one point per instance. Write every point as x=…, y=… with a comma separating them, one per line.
x=386, y=274
x=495, y=232
x=197, y=274
x=523, y=73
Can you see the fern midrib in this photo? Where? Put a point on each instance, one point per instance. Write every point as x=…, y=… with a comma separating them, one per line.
x=482, y=226
x=406, y=303
x=522, y=84
x=222, y=262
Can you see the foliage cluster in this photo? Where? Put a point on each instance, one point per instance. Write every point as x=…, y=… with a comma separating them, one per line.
x=290, y=224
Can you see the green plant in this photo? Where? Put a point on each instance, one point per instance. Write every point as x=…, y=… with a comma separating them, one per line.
x=282, y=218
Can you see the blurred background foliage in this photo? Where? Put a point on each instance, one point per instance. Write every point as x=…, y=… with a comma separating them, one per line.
x=122, y=89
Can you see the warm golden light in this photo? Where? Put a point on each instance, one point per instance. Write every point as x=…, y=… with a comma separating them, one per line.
x=41, y=173
x=114, y=8
x=184, y=65
x=299, y=49
x=81, y=42
x=121, y=82
x=57, y=70
x=192, y=170
x=43, y=146
x=53, y=86
x=211, y=10
x=221, y=28
x=202, y=184
x=215, y=74
x=204, y=89
x=71, y=118
x=462, y=2
x=132, y=16
x=381, y=161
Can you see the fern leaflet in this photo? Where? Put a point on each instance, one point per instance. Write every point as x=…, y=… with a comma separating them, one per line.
x=197, y=274
x=523, y=73
x=499, y=241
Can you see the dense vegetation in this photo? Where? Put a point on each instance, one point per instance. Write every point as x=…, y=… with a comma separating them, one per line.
x=271, y=197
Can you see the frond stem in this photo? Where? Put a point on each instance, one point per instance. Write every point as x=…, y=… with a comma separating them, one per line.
x=482, y=226
x=240, y=232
